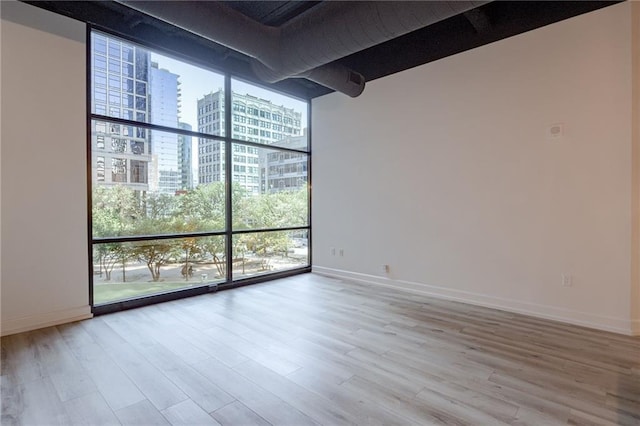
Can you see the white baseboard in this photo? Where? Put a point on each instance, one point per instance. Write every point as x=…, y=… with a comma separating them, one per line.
x=19, y=325
x=585, y=319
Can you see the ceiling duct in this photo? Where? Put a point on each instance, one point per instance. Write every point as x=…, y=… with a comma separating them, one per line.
x=306, y=46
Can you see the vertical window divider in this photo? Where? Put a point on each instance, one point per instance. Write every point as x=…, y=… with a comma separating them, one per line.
x=309, y=185
x=228, y=156
x=89, y=156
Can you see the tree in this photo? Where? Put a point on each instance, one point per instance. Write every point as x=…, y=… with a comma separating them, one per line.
x=160, y=219
x=115, y=211
x=277, y=210
x=189, y=246
x=203, y=208
x=120, y=211
x=215, y=247
x=155, y=254
x=274, y=210
x=107, y=255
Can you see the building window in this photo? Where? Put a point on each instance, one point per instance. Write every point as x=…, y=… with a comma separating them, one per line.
x=161, y=210
x=118, y=170
x=118, y=145
x=138, y=171
x=100, y=169
x=137, y=147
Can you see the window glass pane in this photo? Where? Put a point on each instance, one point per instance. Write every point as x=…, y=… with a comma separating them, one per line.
x=141, y=89
x=167, y=92
x=114, y=50
x=99, y=62
x=143, y=184
x=114, y=84
x=261, y=253
x=127, y=270
x=99, y=43
x=114, y=66
x=269, y=188
x=263, y=116
x=100, y=79
x=127, y=69
x=127, y=53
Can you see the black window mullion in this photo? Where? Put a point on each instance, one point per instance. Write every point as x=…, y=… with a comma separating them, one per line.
x=227, y=172
x=157, y=127
x=128, y=239
x=89, y=153
x=309, y=186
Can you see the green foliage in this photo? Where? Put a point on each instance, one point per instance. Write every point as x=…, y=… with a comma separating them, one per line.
x=115, y=211
x=107, y=255
x=202, y=209
x=121, y=211
x=276, y=210
x=155, y=254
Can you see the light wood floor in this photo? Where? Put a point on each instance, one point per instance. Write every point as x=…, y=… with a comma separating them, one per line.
x=312, y=350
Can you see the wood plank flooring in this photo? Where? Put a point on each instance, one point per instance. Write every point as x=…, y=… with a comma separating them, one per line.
x=310, y=350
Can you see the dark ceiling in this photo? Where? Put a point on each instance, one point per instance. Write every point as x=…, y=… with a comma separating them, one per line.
x=272, y=13
x=488, y=23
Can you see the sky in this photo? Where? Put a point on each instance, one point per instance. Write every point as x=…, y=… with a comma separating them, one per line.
x=196, y=82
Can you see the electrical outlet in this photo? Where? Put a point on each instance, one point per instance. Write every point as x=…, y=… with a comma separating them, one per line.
x=341, y=252
x=384, y=269
x=332, y=250
x=567, y=280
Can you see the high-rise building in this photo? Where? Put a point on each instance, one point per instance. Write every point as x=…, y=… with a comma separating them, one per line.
x=284, y=170
x=120, y=154
x=211, y=152
x=164, y=96
x=254, y=120
x=185, y=158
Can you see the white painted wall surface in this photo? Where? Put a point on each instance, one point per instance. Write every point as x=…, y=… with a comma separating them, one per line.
x=44, y=261
x=635, y=244
x=445, y=172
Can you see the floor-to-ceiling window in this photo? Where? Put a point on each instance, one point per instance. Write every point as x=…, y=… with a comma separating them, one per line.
x=198, y=180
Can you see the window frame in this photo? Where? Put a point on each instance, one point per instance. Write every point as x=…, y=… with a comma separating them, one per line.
x=228, y=140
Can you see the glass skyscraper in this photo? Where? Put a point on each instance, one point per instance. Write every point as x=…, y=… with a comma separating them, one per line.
x=164, y=98
x=185, y=158
x=127, y=84
x=120, y=86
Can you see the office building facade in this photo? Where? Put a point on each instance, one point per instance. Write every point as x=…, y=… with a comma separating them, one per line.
x=164, y=98
x=284, y=170
x=185, y=158
x=120, y=154
x=254, y=120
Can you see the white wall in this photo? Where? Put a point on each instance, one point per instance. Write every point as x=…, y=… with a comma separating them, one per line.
x=445, y=172
x=635, y=277
x=44, y=261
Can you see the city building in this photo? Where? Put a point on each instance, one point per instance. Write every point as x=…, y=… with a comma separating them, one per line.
x=126, y=84
x=284, y=171
x=185, y=158
x=254, y=120
x=121, y=155
x=164, y=98
x=211, y=152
